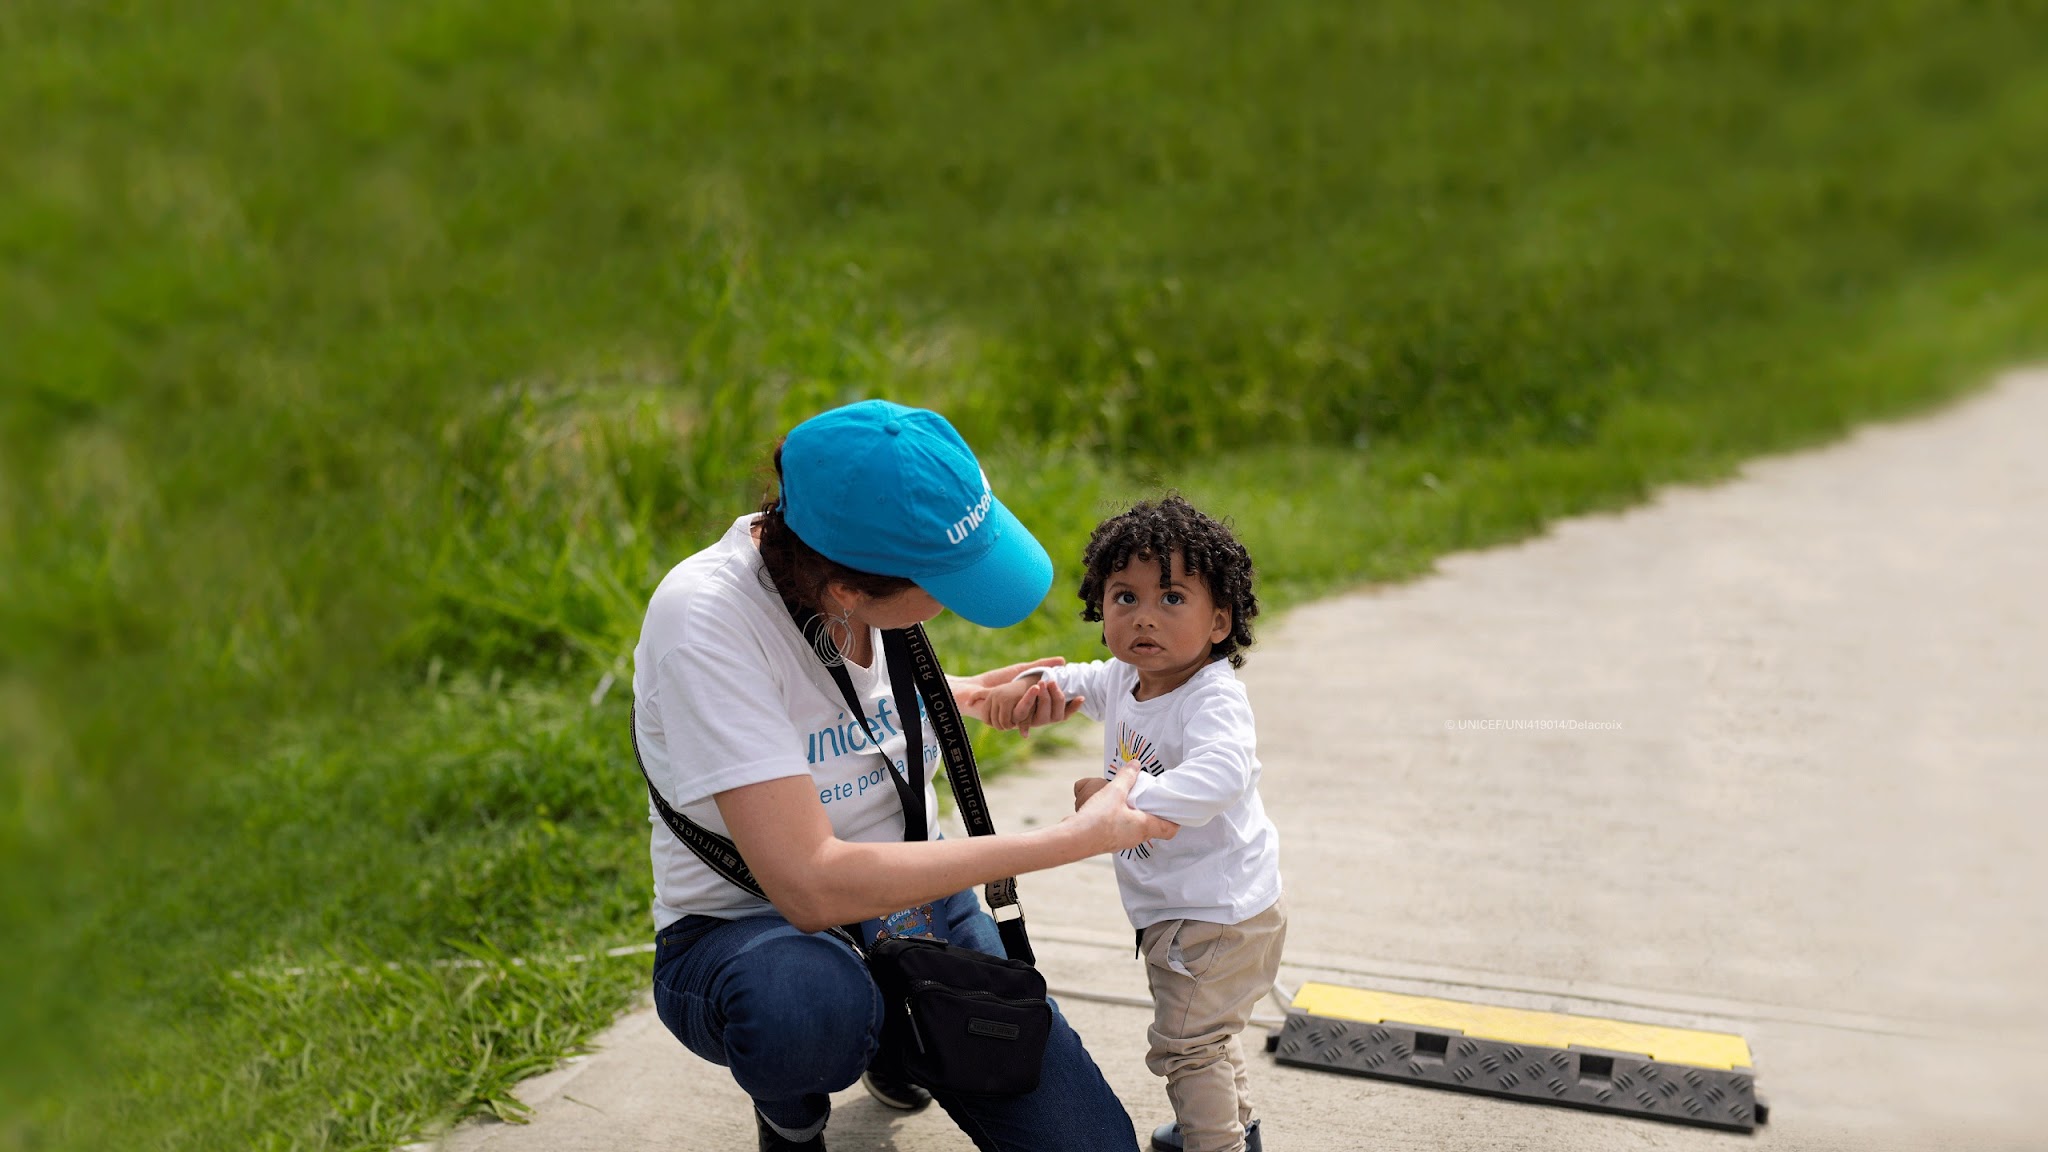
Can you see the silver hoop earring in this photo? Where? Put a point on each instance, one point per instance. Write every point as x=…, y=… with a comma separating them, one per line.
x=831, y=650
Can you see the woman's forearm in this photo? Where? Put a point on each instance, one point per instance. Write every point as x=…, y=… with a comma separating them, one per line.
x=856, y=881
x=817, y=880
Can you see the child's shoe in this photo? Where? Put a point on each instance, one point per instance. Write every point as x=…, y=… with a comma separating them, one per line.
x=1166, y=1138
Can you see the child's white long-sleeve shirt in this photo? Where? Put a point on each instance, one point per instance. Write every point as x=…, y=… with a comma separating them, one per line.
x=1197, y=748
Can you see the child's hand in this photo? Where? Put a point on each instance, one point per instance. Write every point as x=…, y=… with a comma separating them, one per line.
x=1028, y=701
x=972, y=692
x=1043, y=702
x=1085, y=787
x=1002, y=703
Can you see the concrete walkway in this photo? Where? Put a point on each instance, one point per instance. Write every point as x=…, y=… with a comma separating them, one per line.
x=1819, y=822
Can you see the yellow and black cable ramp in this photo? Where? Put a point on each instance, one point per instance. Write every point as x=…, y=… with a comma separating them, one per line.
x=1675, y=1074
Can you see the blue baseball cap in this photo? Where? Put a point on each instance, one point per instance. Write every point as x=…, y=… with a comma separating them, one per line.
x=895, y=491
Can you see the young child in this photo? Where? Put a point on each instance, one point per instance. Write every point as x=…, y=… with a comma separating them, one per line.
x=1173, y=591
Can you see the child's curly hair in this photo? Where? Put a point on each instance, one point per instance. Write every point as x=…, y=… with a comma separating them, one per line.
x=1157, y=530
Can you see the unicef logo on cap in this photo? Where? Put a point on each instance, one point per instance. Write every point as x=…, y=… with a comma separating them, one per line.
x=976, y=513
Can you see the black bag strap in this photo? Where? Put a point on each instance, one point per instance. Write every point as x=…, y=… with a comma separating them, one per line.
x=958, y=753
x=910, y=781
x=718, y=852
x=914, y=672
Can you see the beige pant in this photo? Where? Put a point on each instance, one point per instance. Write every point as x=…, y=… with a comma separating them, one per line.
x=1205, y=980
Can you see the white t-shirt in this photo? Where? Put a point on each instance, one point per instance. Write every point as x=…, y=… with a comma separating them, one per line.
x=729, y=694
x=1198, y=751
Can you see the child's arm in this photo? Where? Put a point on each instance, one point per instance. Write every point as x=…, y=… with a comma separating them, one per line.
x=1089, y=683
x=1219, y=766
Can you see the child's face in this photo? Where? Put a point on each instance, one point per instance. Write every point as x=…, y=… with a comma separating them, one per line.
x=1165, y=633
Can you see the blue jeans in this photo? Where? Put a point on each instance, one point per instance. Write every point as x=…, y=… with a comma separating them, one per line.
x=795, y=1016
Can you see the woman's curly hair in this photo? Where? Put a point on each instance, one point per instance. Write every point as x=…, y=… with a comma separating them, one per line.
x=1156, y=530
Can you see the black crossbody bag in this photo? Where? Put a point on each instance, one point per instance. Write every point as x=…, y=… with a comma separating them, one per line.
x=954, y=1019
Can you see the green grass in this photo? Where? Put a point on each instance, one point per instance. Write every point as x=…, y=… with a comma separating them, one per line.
x=362, y=366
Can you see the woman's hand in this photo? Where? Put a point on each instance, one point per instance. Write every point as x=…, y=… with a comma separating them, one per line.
x=1041, y=702
x=1110, y=821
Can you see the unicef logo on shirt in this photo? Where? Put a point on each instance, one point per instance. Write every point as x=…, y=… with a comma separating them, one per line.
x=835, y=740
